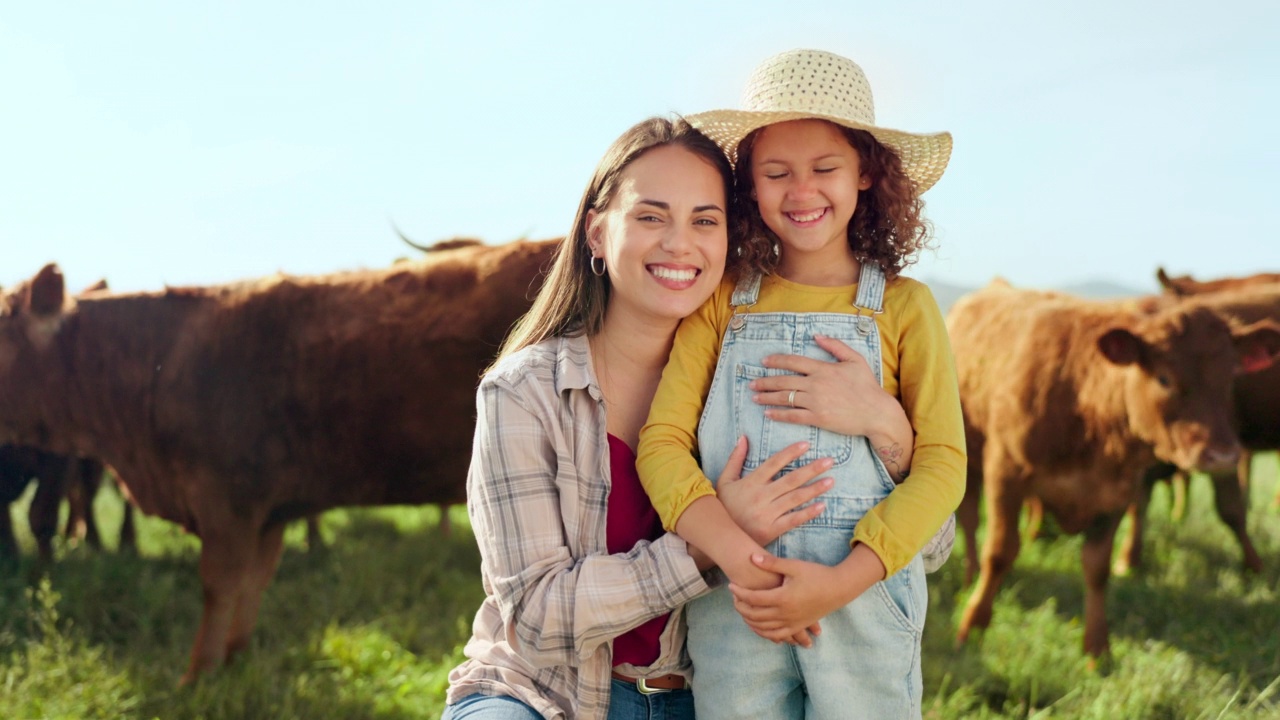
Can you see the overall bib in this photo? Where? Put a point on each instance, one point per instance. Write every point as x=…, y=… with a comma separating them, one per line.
x=866, y=663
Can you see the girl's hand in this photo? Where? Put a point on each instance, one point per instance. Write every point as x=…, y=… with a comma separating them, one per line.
x=841, y=396
x=766, y=508
x=809, y=592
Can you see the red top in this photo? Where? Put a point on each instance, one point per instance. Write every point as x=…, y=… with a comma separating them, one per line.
x=630, y=518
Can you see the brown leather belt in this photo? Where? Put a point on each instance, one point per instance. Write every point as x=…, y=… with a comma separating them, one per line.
x=649, y=686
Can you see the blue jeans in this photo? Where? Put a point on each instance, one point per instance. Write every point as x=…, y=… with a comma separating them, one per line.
x=627, y=703
x=489, y=707
x=866, y=664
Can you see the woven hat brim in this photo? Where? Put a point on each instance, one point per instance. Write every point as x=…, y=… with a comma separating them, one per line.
x=924, y=155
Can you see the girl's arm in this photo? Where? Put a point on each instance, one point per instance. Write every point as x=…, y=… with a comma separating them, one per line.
x=809, y=592
x=901, y=524
x=557, y=607
x=842, y=396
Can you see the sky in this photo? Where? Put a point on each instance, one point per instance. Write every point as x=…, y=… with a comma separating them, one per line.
x=157, y=144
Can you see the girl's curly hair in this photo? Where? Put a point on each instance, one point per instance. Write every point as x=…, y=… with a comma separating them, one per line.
x=888, y=227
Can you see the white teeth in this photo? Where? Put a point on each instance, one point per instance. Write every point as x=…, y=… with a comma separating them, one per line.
x=807, y=217
x=677, y=275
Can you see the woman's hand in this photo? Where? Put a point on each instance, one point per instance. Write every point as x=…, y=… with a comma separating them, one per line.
x=841, y=396
x=766, y=508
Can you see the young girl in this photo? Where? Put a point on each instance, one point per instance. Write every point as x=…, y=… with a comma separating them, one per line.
x=836, y=218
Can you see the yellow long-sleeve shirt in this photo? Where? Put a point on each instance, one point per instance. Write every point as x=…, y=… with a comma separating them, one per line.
x=918, y=369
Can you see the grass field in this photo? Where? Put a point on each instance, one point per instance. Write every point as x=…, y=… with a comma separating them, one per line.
x=369, y=626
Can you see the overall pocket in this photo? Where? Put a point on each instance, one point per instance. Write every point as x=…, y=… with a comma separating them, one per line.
x=766, y=437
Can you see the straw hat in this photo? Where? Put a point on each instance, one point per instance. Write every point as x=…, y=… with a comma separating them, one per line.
x=802, y=84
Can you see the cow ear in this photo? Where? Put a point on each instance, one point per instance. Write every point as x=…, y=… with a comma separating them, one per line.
x=99, y=286
x=48, y=291
x=1257, y=345
x=1121, y=346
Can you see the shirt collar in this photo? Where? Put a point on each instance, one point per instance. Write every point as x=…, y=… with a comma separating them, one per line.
x=573, y=366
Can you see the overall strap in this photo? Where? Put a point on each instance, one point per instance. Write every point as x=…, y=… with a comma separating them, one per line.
x=870, y=296
x=747, y=291
x=870, y=288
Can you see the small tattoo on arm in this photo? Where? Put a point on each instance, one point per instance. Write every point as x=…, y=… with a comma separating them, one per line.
x=891, y=455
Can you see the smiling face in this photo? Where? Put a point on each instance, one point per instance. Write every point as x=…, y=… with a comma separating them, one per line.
x=663, y=235
x=806, y=178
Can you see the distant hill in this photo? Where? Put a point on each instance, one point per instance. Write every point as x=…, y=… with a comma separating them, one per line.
x=946, y=293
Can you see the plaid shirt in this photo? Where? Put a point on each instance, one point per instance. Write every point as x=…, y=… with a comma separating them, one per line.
x=537, y=493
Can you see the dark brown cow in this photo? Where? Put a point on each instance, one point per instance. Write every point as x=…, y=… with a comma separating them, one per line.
x=1256, y=398
x=1069, y=401
x=233, y=409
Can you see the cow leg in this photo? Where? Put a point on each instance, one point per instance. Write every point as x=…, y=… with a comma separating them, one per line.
x=43, y=515
x=1179, y=483
x=967, y=513
x=8, y=541
x=1099, y=540
x=265, y=561
x=1005, y=494
x=82, y=487
x=74, y=530
x=446, y=525
x=89, y=479
x=226, y=558
x=1130, y=557
x=314, y=538
x=1229, y=499
x=128, y=530
x=1035, y=518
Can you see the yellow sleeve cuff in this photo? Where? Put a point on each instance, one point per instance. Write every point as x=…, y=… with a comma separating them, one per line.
x=875, y=534
x=675, y=503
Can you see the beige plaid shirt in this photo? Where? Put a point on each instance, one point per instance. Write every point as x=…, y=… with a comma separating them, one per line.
x=537, y=492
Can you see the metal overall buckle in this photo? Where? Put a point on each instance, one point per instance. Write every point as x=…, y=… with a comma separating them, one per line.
x=866, y=322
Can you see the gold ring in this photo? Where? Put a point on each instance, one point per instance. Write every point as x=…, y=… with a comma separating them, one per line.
x=791, y=399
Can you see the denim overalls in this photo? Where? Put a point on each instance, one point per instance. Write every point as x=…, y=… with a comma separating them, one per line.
x=866, y=663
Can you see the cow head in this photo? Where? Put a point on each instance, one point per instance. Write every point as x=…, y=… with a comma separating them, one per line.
x=30, y=317
x=1177, y=391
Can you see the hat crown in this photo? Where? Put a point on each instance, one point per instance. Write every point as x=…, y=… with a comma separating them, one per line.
x=811, y=81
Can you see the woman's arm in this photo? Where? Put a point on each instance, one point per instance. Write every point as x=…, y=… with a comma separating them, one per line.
x=842, y=396
x=556, y=607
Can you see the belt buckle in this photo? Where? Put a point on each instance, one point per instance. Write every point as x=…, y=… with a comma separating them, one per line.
x=643, y=686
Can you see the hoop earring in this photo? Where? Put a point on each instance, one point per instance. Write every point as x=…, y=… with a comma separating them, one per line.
x=594, y=271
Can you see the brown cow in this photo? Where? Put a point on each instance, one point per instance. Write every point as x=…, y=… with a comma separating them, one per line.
x=1256, y=398
x=1068, y=401
x=233, y=409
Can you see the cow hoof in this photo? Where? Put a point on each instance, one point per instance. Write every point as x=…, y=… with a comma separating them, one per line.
x=1124, y=568
x=1100, y=664
x=962, y=637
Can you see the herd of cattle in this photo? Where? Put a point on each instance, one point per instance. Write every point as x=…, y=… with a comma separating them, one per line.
x=234, y=409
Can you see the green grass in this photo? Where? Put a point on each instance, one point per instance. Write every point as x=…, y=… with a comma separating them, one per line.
x=370, y=626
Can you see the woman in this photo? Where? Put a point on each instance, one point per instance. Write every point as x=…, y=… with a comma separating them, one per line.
x=583, y=613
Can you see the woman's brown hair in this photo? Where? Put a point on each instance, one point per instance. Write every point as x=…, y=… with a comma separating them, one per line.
x=888, y=227
x=573, y=299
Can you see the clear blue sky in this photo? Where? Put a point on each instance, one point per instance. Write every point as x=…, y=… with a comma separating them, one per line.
x=192, y=143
